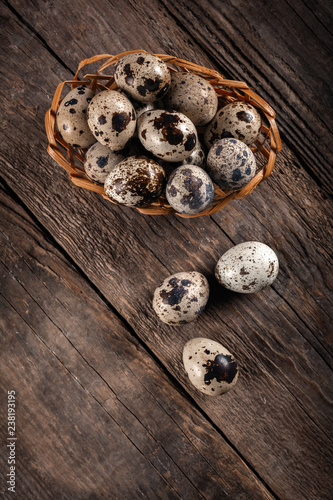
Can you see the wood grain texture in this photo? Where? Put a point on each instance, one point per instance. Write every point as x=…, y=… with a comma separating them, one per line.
x=285, y=52
x=79, y=355
x=284, y=359
x=278, y=417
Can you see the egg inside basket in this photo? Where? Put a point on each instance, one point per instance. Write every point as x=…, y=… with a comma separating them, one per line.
x=71, y=157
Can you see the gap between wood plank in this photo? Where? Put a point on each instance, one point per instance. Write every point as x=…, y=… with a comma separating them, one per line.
x=40, y=38
x=103, y=298
x=304, y=21
x=97, y=373
x=16, y=250
x=89, y=393
x=132, y=332
x=318, y=19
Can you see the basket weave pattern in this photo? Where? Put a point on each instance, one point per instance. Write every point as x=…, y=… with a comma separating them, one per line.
x=228, y=91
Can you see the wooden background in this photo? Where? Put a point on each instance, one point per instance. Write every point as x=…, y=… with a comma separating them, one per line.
x=104, y=407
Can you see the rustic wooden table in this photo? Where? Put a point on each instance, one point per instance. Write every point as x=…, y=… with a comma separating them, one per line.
x=104, y=408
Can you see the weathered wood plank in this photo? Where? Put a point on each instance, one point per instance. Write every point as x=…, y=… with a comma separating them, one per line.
x=127, y=255
x=291, y=184
x=262, y=43
x=285, y=54
x=64, y=350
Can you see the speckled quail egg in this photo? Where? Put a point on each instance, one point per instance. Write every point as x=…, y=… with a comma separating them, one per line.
x=247, y=267
x=143, y=76
x=72, y=117
x=192, y=95
x=197, y=157
x=135, y=182
x=231, y=164
x=181, y=297
x=169, y=135
x=189, y=189
x=100, y=160
x=112, y=119
x=210, y=367
x=239, y=119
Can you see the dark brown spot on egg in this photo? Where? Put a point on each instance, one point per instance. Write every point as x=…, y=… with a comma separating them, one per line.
x=167, y=123
x=240, y=136
x=120, y=120
x=222, y=368
x=152, y=85
x=244, y=116
x=175, y=295
x=190, y=142
x=271, y=268
x=242, y=272
x=162, y=91
x=129, y=78
x=118, y=185
x=101, y=120
x=143, y=133
x=142, y=91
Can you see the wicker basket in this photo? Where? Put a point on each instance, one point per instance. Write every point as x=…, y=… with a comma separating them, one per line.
x=71, y=159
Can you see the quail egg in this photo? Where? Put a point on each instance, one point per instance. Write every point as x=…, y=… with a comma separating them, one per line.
x=247, y=267
x=169, y=135
x=72, y=117
x=189, y=189
x=192, y=95
x=210, y=367
x=197, y=157
x=238, y=119
x=143, y=76
x=100, y=160
x=135, y=182
x=112, y=119
x=231, y=164
x=181, y=297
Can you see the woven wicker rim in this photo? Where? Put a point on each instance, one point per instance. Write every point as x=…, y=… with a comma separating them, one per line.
x=227, y=91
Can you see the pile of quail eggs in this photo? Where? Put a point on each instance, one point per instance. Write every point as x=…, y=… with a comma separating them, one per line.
x=245, y=268
x=142, y=141
x=142, y=138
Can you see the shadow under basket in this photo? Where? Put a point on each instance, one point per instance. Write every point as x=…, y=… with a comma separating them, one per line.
x=265, y=148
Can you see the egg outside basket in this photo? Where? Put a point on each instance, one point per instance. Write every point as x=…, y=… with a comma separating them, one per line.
x=71, y=159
